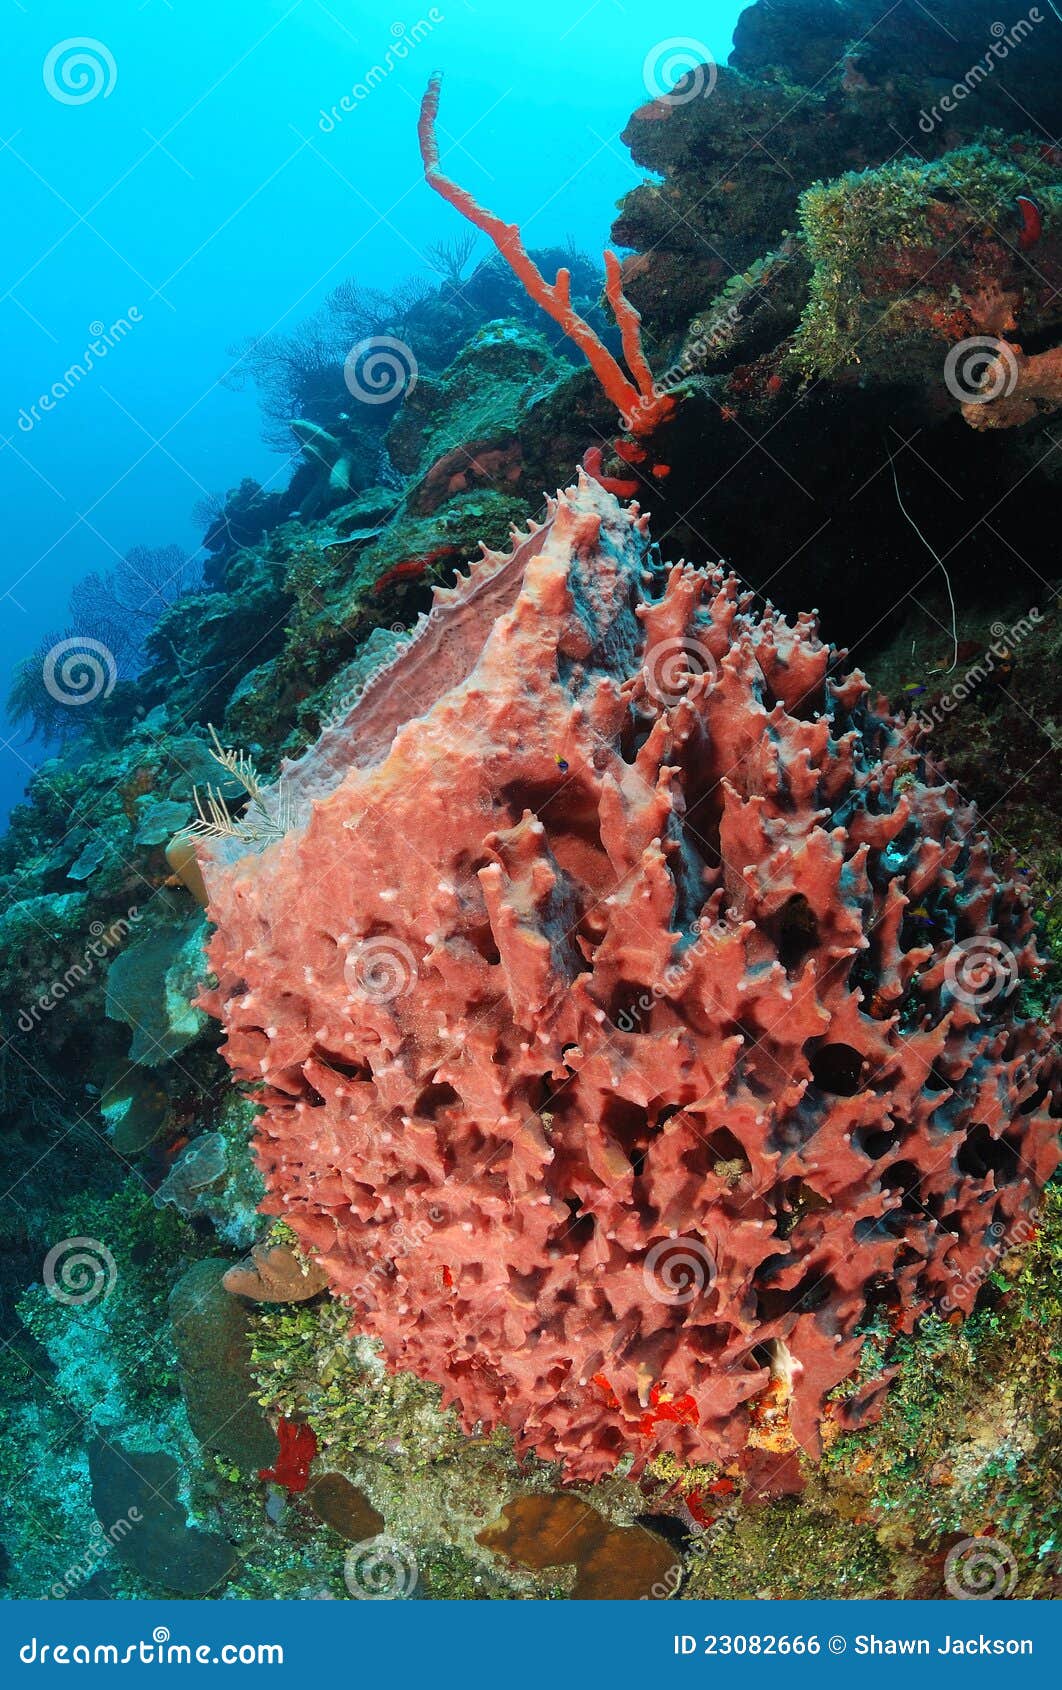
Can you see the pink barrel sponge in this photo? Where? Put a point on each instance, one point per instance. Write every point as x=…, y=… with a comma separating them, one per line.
x=634, y=1023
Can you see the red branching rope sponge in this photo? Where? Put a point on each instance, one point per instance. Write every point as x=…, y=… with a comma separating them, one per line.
x=635, y=1024
x=639, y=403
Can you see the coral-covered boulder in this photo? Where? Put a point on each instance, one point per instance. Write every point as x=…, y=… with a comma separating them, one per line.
x=633, y=1023
x=141, y=1488
x=150, y=986
x=213, y=1348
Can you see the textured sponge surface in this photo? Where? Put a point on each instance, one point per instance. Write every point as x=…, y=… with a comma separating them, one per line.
x=638, y=1023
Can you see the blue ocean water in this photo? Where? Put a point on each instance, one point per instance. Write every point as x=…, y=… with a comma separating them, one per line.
x=180, y=177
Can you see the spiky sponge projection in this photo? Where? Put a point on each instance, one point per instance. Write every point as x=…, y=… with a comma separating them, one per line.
x=632, y=1021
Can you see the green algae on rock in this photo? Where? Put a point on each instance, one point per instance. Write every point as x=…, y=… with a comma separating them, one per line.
x=906, y=252
x=463, y=428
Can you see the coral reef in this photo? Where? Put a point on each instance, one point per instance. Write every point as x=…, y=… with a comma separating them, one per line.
x=659, y=1093
x=847, y=277
x=638, y=401
x=828, y=252
x=912, y=259
x=150, y=987
x=213, y=1355
x=464, y=429
x=141, y=1486
x=813, y=89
